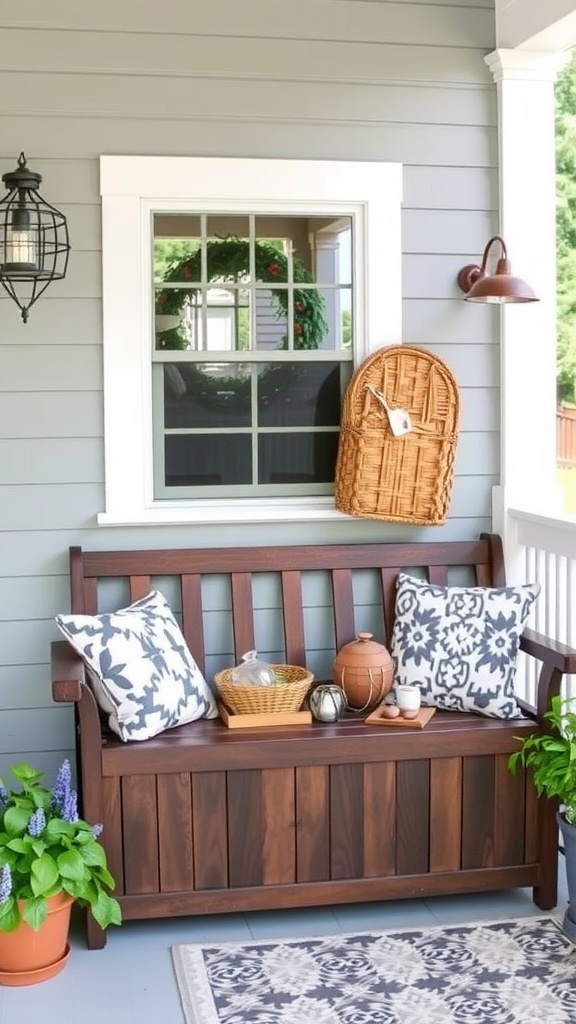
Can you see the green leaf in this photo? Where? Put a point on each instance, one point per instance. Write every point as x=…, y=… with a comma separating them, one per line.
x=106, y=910
x=71, y=865
x=35, y=912
x=84, y=836
x=19, y=845
x=103, y=876
x=25, y=773
x=9, y=915
x=56, y=828
x=16, y=820
x=43, y=874
x=93, y=854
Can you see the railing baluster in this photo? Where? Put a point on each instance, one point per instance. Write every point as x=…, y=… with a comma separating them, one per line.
x=549, y=555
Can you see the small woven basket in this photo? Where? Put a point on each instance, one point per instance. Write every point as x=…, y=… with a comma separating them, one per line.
x=261, y=700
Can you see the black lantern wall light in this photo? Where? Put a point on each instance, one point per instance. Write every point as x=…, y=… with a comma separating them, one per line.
x=34, y=243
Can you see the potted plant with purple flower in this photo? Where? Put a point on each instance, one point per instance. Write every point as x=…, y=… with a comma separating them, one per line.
x=49, y=859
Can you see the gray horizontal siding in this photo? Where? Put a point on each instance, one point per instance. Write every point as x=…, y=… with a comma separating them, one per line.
x=148, y=98
x=49, y=368
x=51, y=414
x=278, y=136
x=43, y=460
x=400, y=23
x=322, y=79
x=24, y=686
x=221, y=57
x=447, y=322
x=46, y=729
x=450, y=188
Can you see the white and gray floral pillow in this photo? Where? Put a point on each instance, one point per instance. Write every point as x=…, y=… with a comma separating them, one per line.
x=459, y=645
x=142, y=673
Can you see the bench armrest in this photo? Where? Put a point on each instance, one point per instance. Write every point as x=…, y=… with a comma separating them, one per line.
x=552, y=652
x=557, y=660
x=68, y=672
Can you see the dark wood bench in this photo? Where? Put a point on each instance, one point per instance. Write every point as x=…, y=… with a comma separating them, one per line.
x=205, y=819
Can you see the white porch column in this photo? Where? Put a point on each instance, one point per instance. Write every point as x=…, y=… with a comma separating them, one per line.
x=526, y=109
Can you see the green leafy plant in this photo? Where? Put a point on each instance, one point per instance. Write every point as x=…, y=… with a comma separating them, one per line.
x=552, y=757
x=45, y=849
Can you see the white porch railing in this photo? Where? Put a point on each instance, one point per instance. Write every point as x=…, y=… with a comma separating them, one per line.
x=542, y=549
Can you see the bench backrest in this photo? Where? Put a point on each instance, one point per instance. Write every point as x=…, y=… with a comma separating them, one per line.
x=306, y=601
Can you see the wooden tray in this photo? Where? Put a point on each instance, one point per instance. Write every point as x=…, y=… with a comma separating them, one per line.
x=273, y=718
x=422, y=719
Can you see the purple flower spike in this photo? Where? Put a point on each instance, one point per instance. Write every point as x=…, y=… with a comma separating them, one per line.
x=4, y=798
x=37, y=823
x=97, y=830
x=70, y=810
x=5, y=884
x=61, y=791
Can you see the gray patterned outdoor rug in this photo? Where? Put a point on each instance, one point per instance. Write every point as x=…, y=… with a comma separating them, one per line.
x=501, y=972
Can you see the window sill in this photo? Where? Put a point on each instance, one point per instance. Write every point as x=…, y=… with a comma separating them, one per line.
x=201, y=513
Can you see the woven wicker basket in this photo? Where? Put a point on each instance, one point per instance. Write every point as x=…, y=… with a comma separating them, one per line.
x=405, y=479
x=253, y=700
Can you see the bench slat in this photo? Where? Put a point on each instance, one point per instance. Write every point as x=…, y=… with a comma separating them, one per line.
x=242, y=614
x=192, y=617
x=293, y=616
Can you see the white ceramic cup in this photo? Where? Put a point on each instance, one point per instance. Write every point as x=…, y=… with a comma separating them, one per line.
x=408, y=697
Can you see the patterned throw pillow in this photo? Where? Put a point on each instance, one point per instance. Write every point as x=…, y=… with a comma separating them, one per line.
x=460, y=644
x=140, y=668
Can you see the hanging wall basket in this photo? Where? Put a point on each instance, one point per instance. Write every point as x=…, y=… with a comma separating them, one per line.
x=398, y=438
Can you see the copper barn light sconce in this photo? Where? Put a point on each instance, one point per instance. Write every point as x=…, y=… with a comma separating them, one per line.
x=34, y=244
x=501, y=286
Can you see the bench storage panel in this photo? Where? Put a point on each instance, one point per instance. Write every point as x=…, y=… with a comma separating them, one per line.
x=203, y=819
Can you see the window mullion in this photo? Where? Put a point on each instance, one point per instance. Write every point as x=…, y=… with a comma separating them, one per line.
x=252, y=275
x=204, y=280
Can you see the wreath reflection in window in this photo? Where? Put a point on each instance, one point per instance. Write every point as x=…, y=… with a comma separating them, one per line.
x=228, y=259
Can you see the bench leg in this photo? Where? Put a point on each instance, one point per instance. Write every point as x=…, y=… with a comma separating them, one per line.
x=95, y=935
x=545, y=894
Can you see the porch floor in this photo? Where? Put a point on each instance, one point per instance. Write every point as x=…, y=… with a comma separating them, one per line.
x=132, y=981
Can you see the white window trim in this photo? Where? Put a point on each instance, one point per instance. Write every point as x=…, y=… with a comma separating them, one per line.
x=131, y=189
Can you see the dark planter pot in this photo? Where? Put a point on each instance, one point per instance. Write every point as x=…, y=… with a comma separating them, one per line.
x=569, y=841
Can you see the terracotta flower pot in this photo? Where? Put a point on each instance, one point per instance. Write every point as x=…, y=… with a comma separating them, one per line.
x=28, y=956
x=364, y=670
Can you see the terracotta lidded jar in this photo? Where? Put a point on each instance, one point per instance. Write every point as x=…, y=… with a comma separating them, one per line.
x=364, y=670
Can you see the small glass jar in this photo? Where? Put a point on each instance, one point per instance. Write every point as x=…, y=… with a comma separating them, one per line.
x=253, y=672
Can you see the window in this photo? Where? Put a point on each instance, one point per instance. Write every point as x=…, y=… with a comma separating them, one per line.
x=239, y=295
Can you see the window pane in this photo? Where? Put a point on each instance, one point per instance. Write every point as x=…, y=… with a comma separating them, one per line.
x=176, y=236
x=299, y=394
x=298, y=458
x=206, y=395
x=227, y=226
x=207, y=460
x=334, y=306
x=271, y=319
